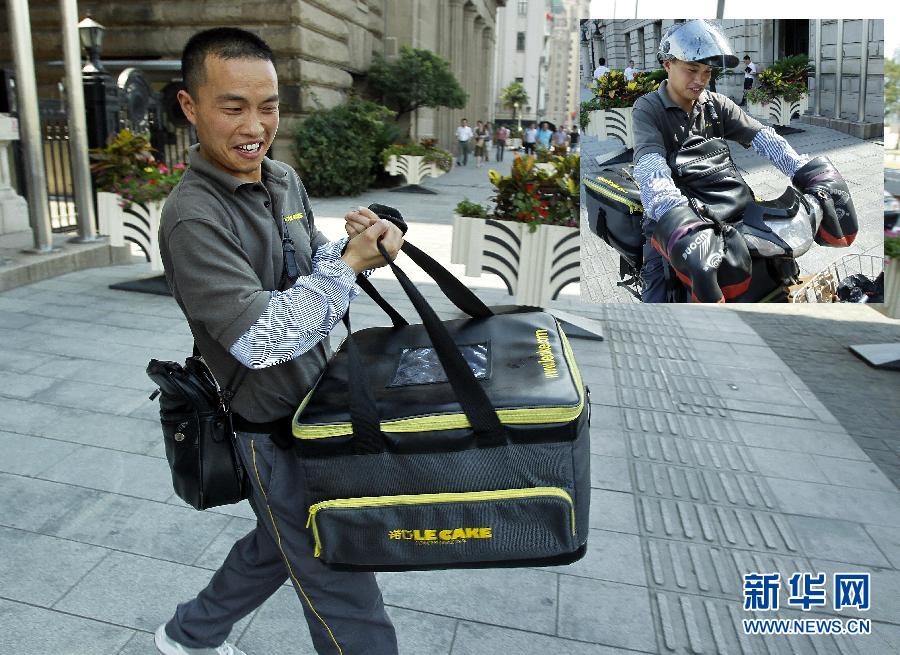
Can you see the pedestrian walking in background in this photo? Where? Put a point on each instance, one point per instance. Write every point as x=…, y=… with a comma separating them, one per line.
x=602, y=69
x=630, y=71
x=560, y=141
x=574, y=138
x=529, y=138
x=543, y=136
x=463, y=137
x=500, y=137
x=479, y=137
x=750, y=71
x=488, y=140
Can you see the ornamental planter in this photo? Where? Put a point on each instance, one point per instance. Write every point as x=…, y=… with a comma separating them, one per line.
x=779, y=110
x=612, y=124
x=535, y=266
x=136, y=224
x=413, y=167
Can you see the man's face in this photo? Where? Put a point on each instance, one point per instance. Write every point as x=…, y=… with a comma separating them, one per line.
x=235, y=113
x=687, y=79
x=464, y=123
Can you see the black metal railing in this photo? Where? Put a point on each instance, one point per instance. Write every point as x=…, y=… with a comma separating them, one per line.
x=58, y=166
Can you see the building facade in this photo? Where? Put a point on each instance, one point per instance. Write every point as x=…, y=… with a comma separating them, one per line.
x=323, y=47
x=523, y=29
x=846, y=89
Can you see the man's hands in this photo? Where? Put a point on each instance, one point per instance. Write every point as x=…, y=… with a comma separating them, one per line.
x=365, y=230
x=819, y=178
x=711, y=260
x=358, y=221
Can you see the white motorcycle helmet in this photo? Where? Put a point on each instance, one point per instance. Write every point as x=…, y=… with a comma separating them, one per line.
x=697, y=40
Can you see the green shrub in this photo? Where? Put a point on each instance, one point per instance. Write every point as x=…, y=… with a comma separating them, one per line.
x=468, y=208
x=892, y=248
x=337, y=150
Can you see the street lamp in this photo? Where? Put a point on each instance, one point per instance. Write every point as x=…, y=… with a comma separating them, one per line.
x=516, y=114
x=91, y=34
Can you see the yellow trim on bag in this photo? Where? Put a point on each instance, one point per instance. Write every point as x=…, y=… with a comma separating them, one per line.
x=430, y=499
x=633, y=207
x=284, y=554
x=435, y=422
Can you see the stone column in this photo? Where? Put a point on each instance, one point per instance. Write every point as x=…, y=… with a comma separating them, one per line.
x=452, y=42
x=468, y=65
x=487, y=82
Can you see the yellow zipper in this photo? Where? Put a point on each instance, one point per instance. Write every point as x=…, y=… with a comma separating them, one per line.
x=430, y=499
x=633, y=207
x=519, y=416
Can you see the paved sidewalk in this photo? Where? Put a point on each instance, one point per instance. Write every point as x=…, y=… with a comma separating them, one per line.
x=712, y=456
x=860, y=162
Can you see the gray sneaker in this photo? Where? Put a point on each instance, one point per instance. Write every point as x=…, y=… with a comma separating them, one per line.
x=167, y=646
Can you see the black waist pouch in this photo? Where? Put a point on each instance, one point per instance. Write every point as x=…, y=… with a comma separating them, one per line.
x=198, y=434
x=448, y=444
x=704, y=171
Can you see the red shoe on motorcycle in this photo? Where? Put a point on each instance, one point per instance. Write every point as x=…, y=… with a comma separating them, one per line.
x=710, y=258
x=819, y=178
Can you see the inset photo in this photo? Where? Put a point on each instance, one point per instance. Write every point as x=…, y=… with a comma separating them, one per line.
x=732, y=160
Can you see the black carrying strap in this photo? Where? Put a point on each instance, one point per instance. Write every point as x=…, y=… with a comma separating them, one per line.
x=468, y=391
x=712, y=117
x=229, y=390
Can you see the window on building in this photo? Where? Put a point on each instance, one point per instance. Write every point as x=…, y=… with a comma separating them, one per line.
x=520, y=79
x=520, y=41
x=523, y=7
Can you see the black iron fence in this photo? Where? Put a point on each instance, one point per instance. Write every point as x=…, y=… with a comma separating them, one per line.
x=147, y=115
x=58, y=166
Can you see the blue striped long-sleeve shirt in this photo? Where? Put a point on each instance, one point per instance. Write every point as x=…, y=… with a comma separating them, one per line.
x=296, y=319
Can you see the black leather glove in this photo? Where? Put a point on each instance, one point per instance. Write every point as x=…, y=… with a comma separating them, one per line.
x=819, y=178
x=389, y=214
x=710, y=258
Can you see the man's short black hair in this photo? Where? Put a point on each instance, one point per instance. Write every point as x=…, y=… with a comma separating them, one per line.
x=746, y=56
x=223, y=42
x=602, y=61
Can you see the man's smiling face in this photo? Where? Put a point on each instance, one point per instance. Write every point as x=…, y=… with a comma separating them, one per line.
x=235, y=113
x=687, y=79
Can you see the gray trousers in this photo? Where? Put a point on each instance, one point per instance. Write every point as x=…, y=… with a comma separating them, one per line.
x=344, y=611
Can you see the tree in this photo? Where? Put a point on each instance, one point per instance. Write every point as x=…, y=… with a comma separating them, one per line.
x=891, y=87
x=417, y=78
x=514, y=93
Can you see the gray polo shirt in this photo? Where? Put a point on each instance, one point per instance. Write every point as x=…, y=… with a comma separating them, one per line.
x=660, y=127
x=220, y=241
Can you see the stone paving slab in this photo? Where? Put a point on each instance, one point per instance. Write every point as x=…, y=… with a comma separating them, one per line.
x=695, y=483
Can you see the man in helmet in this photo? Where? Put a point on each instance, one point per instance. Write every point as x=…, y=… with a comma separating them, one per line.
x=663, y=121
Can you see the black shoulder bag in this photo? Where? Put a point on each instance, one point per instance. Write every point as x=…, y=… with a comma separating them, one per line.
x=195, y=413
x=197, y=421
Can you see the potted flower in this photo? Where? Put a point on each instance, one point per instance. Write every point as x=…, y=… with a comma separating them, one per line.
x=132, y=187
x=781, y=90
x=608, y=113
x=415, y=161
x=530, y=239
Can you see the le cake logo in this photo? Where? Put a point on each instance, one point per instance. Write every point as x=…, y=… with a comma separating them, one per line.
x=294, y=217
x=457, y=535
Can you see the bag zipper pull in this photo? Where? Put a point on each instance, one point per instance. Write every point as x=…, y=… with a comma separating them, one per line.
x=154, y=394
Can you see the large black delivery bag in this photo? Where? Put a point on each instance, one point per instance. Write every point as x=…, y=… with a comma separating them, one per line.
x=448, y=444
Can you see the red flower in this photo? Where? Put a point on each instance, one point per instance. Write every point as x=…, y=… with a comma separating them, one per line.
x=179, y=167
x=529, y=188
x=152, y=181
